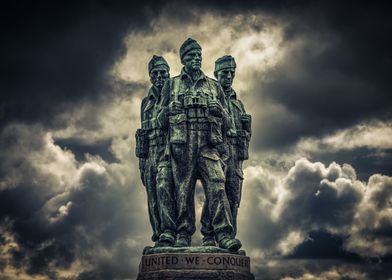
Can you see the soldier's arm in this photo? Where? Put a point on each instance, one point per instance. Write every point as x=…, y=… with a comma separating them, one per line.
x=222, y=100
x=142, y=161
x=142, y=107
x=246, y=119
x=142, y=167
x=163, y=119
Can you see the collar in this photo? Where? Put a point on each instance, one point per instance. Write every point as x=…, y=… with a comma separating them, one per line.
x=185, y=75
x=153, y=94
x=231, y=94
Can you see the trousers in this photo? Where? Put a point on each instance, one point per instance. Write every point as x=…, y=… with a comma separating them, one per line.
x=193, y=160
x=233, y=187
x=150, y=171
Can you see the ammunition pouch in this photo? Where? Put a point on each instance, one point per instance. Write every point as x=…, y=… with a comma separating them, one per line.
x=142, y=168
x=156, y=141
x=243, y=144
x=198, y=126
x=232, y=140
x=178, y=129
x=215, y=136
x=196, y=113
x=141, y=143
x=247, y=125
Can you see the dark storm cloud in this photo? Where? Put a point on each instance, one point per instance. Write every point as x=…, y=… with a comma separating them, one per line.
x=366, y=161
x=336, y=77
x=322, y=245
x=57, y=53
x=86, y=218
x=300, y=203
x=61, y=207
x=80, y=149
x=324, y=269
x=317, y=214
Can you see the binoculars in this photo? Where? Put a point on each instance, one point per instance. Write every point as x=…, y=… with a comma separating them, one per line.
x=199, y=100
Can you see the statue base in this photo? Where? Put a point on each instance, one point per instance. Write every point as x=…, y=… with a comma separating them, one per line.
x=191, y=249
x=195, y=266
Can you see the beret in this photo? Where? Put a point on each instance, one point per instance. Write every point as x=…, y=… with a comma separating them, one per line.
x=188, y=45
x=223, y=62
x=157, y=61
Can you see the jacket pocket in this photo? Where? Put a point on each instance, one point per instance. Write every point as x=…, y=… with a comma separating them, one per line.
x=243, y=145
x=178, y=130
x=215, y=136
x=141, y=143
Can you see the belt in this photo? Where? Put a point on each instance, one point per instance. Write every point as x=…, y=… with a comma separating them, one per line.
x=198, y=126
x=232, y=140
x=150, y=125
x=196, y=113
x=157, y=141
x=156, y=130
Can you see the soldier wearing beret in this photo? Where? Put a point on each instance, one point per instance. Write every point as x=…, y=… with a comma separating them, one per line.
x=238, y=136
x=193, y=112
x=150, y=146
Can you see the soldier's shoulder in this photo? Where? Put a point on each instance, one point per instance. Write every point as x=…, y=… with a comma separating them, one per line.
x=214, y=83
x=240, y=102
x=176, y=77
x=144, y=100
x=146, y=97
x=211, y=80
x=143, y=104
x=236, y=94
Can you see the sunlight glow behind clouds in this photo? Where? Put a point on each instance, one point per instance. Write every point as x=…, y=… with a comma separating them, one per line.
x=376, y=134
x=255, y=49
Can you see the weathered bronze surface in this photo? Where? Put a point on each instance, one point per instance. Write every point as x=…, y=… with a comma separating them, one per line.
x=193, y=128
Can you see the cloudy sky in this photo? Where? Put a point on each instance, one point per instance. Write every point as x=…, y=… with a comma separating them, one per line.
x=317, y=197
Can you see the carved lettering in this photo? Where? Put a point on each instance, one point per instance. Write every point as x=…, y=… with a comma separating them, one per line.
x=190, y=260
x=164, y=261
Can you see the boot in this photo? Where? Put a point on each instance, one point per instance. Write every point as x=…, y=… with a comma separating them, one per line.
x=183, y=240
x=208, y=240
x=231, y=244
x=166, y=239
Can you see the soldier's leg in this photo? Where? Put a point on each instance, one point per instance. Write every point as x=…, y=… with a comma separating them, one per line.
x=234, y=179
x=213, y=179
x=206, y=228
x=150, y=181
x=184, y=177
x=166, y=204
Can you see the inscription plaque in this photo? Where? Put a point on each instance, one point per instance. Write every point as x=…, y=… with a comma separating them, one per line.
x=199, y=266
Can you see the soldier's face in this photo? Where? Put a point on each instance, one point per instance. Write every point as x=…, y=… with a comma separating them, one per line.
x=192, y=60
x=225, y=77
x=158, y=76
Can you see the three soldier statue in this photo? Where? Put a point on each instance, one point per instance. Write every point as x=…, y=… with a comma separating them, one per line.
x=193, y=128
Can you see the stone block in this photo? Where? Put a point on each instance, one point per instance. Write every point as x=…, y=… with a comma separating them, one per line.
x=195, y=266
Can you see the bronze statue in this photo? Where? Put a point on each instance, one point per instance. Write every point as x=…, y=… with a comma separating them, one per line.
x=193, y=114
x=193, y=128
x=150, y=142
x=238, y=136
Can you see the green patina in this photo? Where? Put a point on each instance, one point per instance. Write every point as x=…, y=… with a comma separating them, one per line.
x=193, y=128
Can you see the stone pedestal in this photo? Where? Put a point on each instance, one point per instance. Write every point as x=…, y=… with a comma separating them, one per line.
x=195, y=266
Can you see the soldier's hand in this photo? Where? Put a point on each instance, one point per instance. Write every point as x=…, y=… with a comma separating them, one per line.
x=142, y=165
x=215, y=108
x=245, y=118
x=174, y=108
